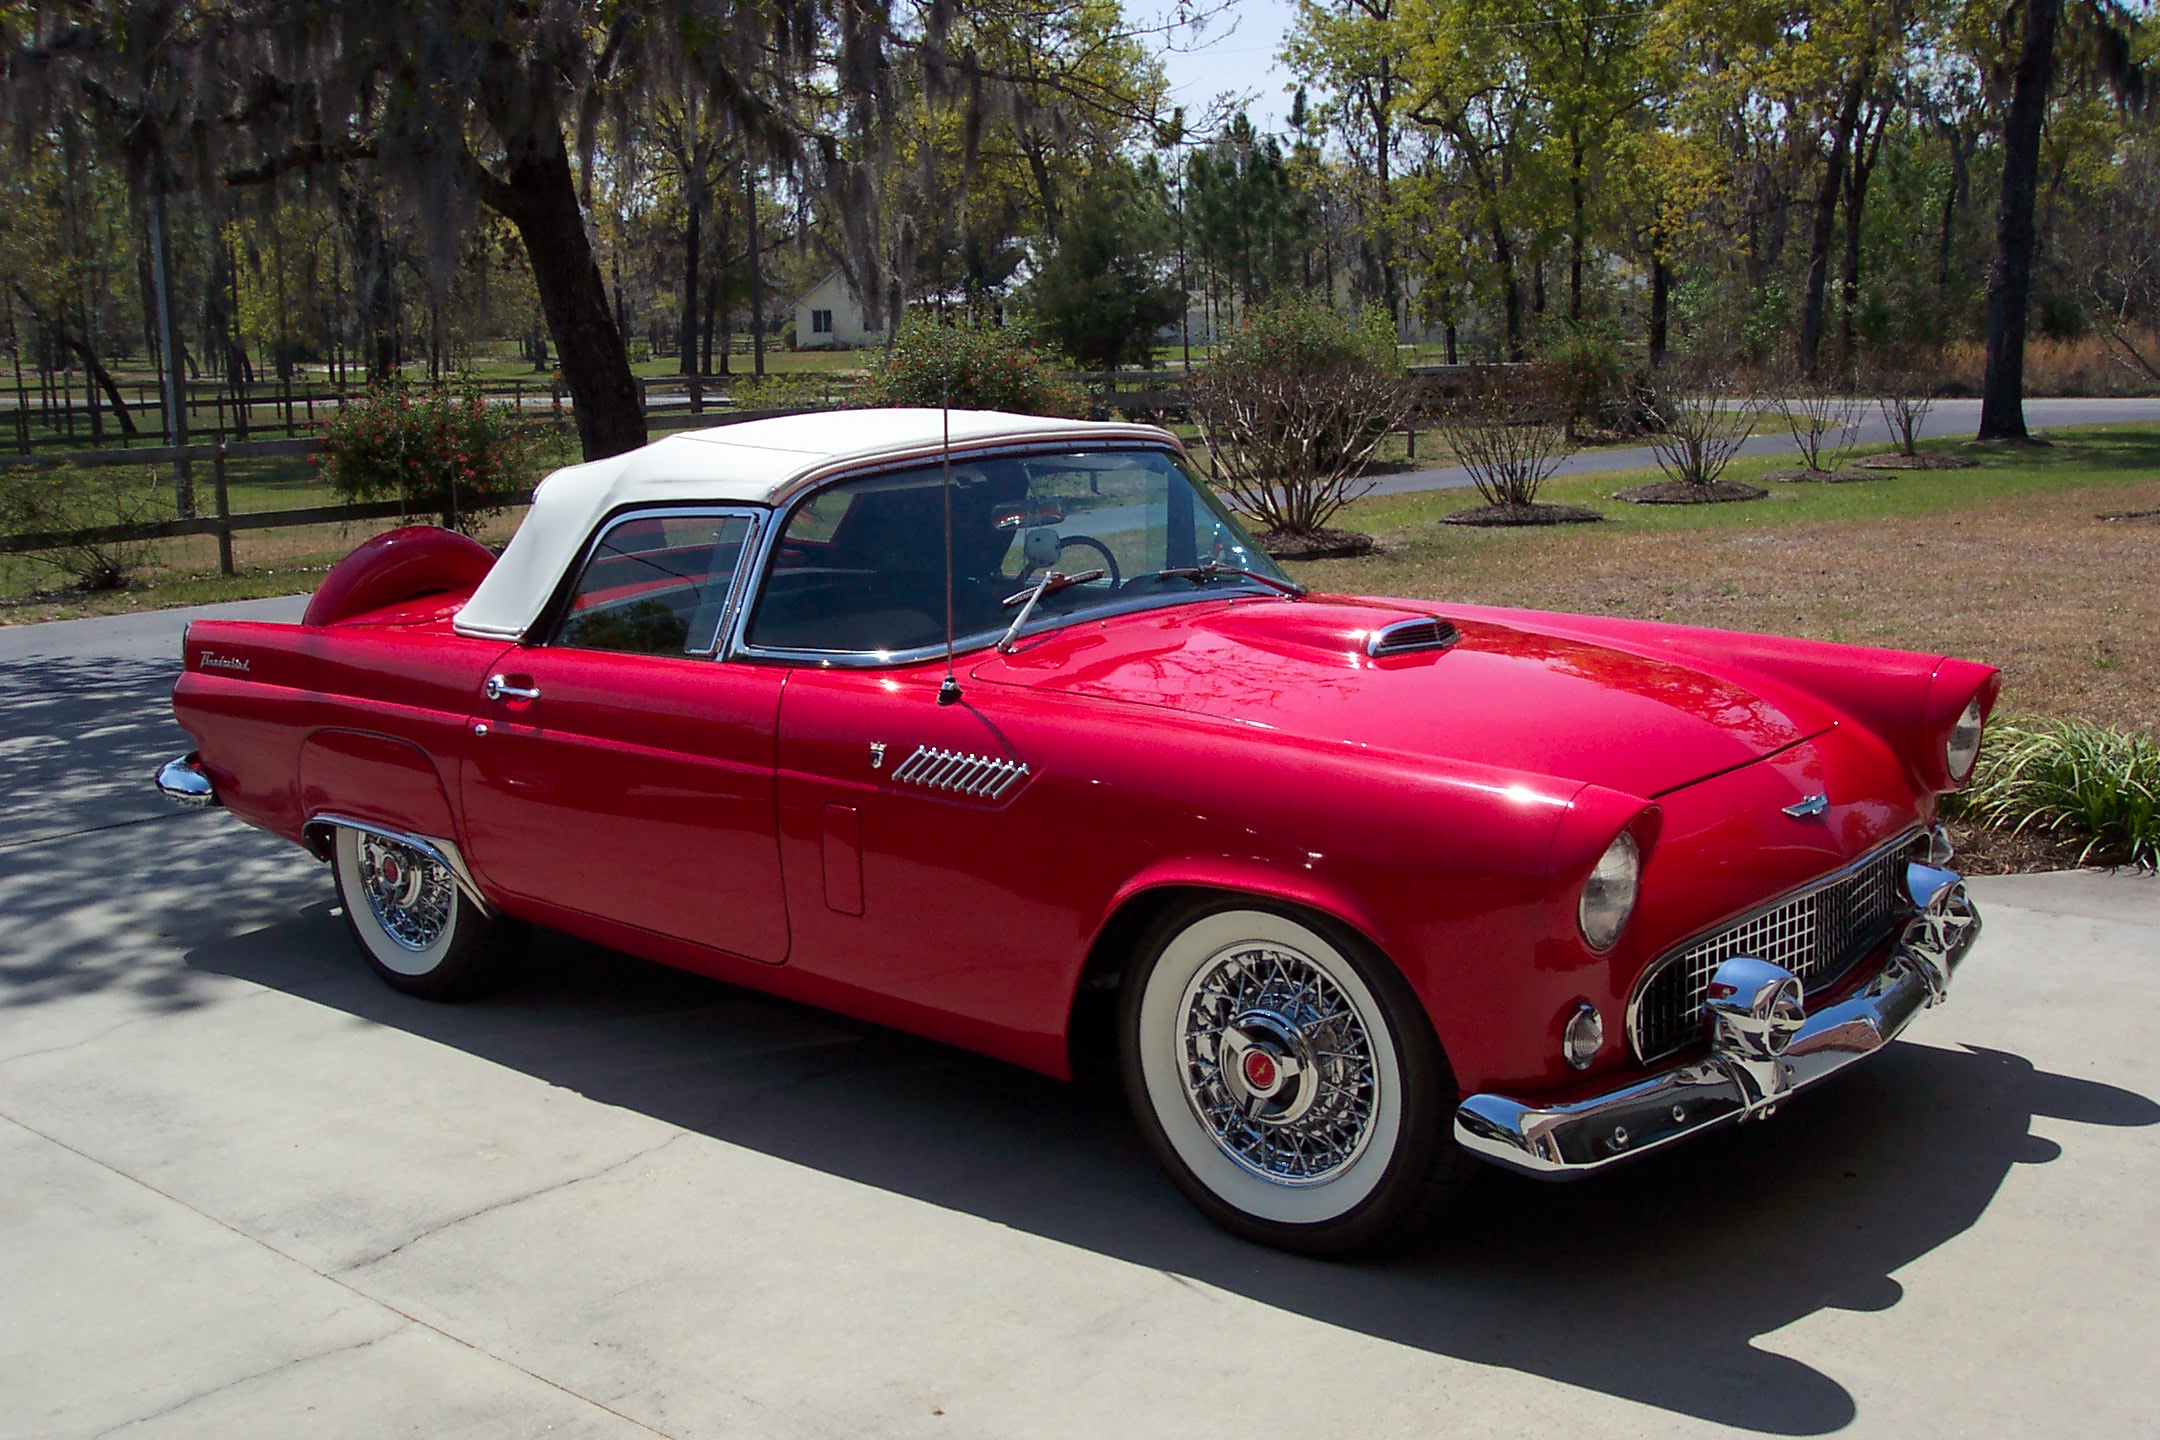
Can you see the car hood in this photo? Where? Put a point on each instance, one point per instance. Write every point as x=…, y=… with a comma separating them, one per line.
x=1502, y=695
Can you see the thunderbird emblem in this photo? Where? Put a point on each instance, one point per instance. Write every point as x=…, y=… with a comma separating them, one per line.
x=1812, y=805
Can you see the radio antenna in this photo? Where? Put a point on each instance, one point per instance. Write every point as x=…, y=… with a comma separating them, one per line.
x=948, y=692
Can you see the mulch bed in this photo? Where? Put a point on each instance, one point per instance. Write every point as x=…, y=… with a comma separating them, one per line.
x=2133, y=517
x=1319, y=545
x=1539, y=514
x=1984, y=850
x=1680, y=492
x=1916, y=462
x=1818, y=477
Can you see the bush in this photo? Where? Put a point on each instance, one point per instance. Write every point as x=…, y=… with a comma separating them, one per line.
x=2077, y=781
x=1510, y=432
x=1293, y=405
x=440, y=450
x=971, y=366
x=1706, y=421
x=67, y=501
x=1603, y=391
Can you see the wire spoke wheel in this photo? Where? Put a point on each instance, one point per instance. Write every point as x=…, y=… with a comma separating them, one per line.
x=1278, y=1064
x=411, y=896
x=1286, y=1076
x=419, y=929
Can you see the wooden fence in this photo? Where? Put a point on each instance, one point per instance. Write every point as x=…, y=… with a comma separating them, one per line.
x=222, y=522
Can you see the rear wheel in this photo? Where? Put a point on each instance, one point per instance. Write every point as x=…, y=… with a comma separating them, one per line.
x=419, y=931
x=1287, y=1078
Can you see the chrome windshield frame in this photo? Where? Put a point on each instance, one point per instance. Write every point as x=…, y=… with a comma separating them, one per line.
x=738, y=646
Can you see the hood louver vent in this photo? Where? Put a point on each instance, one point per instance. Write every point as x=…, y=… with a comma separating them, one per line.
x=1405, y=636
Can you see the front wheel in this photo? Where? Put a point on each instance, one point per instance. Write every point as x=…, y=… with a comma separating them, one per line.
x=1287, y=1078
x=420, y=932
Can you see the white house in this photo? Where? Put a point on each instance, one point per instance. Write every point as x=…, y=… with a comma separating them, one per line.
x=829, y=317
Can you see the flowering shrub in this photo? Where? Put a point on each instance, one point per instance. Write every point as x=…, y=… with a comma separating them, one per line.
x=980, y=366
x=441, y=450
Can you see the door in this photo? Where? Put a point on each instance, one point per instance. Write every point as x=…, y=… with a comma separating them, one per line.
x=621, y=771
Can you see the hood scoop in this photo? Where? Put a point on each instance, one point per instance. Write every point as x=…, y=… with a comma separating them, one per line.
x=1405, y=637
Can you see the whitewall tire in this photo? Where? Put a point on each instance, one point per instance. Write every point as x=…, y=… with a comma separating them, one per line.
x=1286, y=1076
x=420, y=932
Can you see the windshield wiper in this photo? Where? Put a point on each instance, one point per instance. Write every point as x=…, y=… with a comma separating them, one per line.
x=1050, y=584
x=1201, y=574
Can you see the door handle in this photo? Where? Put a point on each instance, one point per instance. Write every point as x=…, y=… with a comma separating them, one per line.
x=498, y=687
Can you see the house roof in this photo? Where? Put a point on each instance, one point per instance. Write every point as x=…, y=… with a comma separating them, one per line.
x=757, y=462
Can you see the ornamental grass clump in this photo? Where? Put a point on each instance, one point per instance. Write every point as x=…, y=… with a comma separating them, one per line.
x=2084, y=784
x=439, y=450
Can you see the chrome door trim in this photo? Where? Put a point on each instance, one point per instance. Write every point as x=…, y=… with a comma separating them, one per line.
x=753, y=551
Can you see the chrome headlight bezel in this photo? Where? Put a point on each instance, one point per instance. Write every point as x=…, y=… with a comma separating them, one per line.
x=1609, y=893
x=1961, y=746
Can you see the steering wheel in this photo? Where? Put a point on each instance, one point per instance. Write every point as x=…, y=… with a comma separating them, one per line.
x=1109, y=560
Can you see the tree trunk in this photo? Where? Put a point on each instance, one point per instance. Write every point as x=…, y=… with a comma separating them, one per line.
x=757, y=274
x=2002, y=394
x=691, y=236
x=1660, y=308
x=1504, y=257
x=1867, y=148
x=1824, y=227
x=377, y=309
x=538, y=194
x=1951, y=196
x=1575, y=225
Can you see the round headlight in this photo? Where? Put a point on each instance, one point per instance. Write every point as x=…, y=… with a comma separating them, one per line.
x=1608, y=896
x=1963, y=746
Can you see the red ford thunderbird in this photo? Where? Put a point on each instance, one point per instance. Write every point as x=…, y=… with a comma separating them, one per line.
x=1000, y=730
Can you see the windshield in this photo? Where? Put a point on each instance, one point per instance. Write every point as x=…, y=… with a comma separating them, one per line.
x=860, y=568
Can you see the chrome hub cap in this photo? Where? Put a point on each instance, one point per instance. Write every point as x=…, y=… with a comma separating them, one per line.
x=1277, y=1064
x=410, y=896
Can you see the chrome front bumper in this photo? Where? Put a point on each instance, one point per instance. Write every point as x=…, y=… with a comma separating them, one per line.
x=1763, y=1048
x=185, y=782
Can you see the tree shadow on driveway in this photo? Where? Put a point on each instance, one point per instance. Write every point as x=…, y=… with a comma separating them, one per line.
x=1651, y=1283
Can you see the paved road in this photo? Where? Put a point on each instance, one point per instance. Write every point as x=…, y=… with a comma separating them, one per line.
x=1948, y=417
x=246, y=1190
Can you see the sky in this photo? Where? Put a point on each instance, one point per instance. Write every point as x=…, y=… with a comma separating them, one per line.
x=1241, y=60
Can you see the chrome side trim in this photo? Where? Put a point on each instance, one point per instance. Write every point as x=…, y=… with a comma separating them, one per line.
x=981, y=777
x=442, y=852
x=1631, y=1017
x=184, y=782
x=1755, y=1061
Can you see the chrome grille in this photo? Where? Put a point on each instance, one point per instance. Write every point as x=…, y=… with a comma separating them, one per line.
x=1817, y=933
x=982, y=776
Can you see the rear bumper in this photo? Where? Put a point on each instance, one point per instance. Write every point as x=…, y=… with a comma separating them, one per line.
x=1761, y=1051
x=185, y=782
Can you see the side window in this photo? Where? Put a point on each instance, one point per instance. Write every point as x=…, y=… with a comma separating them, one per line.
x=656, y=585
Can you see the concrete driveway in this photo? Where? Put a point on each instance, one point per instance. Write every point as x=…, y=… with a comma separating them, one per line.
x=246, y=1190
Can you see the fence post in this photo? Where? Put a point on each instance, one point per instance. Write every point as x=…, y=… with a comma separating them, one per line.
x=224, y=508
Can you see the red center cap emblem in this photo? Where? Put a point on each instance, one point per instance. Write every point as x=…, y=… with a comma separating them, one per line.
x=1259, y=1069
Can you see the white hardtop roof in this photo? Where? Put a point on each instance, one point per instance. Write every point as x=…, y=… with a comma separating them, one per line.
x=756, y=462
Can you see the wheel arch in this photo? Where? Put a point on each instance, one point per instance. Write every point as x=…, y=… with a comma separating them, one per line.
x=1091, y=1009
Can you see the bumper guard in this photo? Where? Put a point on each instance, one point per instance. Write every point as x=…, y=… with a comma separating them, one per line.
x=1763, y=1047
